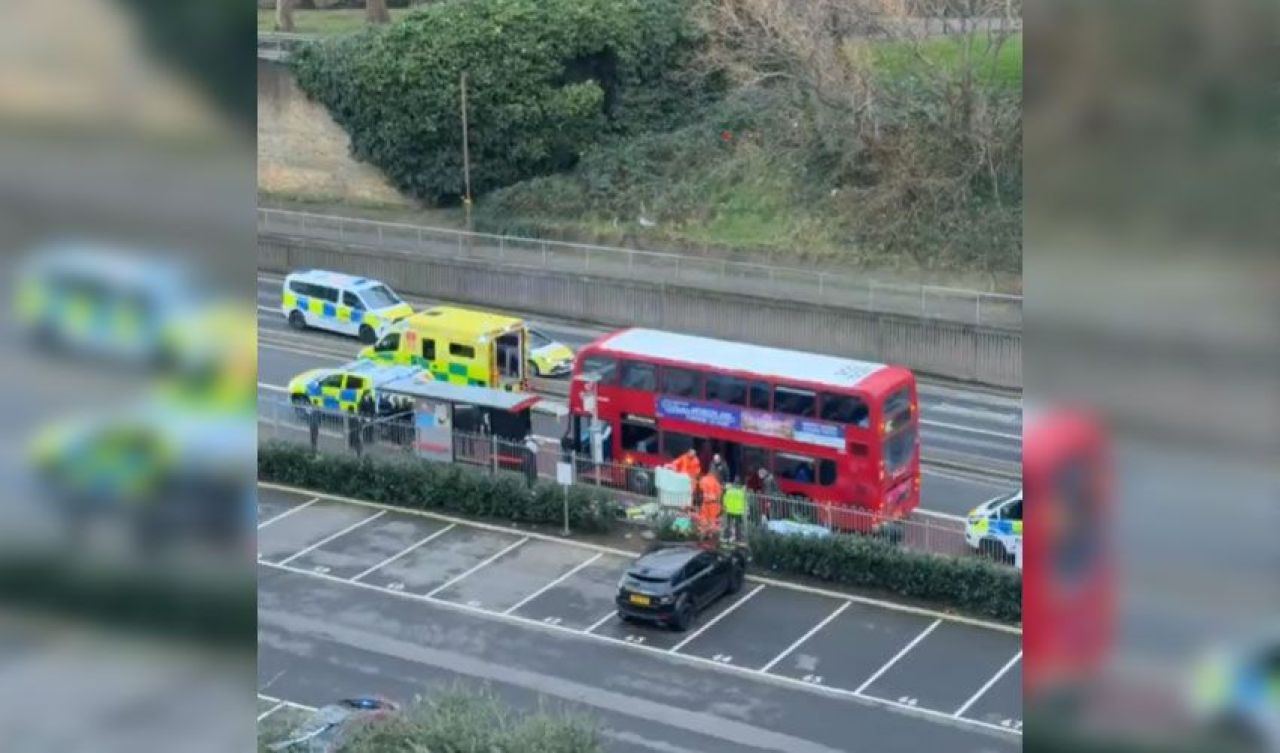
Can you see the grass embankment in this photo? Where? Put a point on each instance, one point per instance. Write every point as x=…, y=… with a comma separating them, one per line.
x=324, y=22
x=745, y=179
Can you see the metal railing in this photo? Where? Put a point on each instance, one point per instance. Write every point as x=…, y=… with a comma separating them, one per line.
x=712, y=273
x=633, y=486
x=277, y=45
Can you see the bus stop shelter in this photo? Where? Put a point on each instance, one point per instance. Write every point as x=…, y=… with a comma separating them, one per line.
x=460, y=423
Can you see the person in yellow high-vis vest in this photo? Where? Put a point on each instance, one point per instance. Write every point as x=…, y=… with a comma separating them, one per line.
x=735, y=510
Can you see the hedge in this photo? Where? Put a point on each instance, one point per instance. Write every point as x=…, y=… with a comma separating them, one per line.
x=547, y=78
x=967, y=584
x=418, y=484
x=212, y=608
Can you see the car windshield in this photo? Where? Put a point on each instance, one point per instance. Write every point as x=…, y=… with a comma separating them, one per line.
x=538, y=340
x=379, y=297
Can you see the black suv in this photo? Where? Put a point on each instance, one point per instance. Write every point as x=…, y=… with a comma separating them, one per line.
x=669, y=584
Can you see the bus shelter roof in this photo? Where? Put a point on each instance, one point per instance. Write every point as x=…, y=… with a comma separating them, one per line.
x=484, y=397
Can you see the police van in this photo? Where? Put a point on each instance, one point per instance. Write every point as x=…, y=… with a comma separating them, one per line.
x=994, y=528
x=341, y=303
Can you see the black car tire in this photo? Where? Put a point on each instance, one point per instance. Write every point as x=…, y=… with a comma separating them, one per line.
x=682, y=617
x=736, y=576
x=297, y=320
x=367, y=335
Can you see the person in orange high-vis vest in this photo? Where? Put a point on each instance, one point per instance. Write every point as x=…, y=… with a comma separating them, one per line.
x=709, y=513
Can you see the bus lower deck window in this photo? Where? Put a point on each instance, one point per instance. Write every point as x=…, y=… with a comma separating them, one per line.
x=639, y=437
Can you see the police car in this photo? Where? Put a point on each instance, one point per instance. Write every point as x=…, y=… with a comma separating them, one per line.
x=341, y=389
x=548, y=357
x=86, y=298
x=994, y=528
x=341, y=303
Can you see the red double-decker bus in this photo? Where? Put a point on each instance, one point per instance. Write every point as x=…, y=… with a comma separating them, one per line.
x=833, y=430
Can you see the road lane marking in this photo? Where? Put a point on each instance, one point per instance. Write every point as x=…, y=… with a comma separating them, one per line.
x=971, y=430
x=631, y=555
x=287, y=513
x=805, y=637
x=923, y=634
x=279, y=705
x=552, y=584
x=327, y=539
x=717, y=618
x=271, y=387
x=994, y=679
x=438, y=589
x=395, y=557
x=656, y=650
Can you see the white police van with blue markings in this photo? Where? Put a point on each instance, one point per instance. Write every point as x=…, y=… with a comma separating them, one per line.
x=341, y=303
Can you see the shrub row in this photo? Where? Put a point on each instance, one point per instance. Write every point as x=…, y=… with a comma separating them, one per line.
x=211, y=609
x=968, y=584
x=421, y=485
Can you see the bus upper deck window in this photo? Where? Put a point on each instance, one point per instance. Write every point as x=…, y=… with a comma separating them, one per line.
x=639, y=376
x=845, y=409
x=795, y=401
x=604, y=367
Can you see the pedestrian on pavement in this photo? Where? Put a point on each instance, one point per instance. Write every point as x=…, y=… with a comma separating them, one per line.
x=313, y=427
x=531, y=460
x=353, y=434
x=769, y=490
x=368, y=410
x=735, y=507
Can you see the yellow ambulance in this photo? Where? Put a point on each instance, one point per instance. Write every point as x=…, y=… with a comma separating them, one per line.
x=460, y=346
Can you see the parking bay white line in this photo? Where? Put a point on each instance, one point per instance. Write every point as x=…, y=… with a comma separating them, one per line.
x=331, y=537
x=717, y=618
x=923, y=634
x=805, y=637
x=279, y=705
x=612, y=613
x=994, y=679
x=692, y=658
x=552, y=584
x=629, y=554
x=431, y=594
x=403, y=552
x=287, y=513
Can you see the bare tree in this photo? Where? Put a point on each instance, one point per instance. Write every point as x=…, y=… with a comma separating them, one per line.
x=284, y=15
x=375, y=12
x=913, y=151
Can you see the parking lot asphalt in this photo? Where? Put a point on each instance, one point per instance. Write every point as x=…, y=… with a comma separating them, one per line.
x=361, y=599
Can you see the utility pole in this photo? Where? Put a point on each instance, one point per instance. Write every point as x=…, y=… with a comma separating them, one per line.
x=466, y=158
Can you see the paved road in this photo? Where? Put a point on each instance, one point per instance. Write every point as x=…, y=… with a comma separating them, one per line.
x=363, y=599
x=969, y=428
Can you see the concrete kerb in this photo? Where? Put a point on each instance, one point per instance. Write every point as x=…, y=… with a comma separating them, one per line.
x=774, y=582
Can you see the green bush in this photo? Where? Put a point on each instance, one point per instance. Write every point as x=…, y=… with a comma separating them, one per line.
x=968, y=584
x=547, y=78
x=417, y=484
x=219, y=608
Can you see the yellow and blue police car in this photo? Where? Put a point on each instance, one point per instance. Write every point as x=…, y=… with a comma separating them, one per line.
x=342, y=388
x=95, y=300
x=548, y=357
x=994, y=528
x=341, y=303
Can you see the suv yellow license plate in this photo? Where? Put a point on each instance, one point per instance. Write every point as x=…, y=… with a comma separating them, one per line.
x=640, y=600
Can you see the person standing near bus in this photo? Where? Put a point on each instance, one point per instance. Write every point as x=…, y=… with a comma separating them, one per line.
x=769, y=490
x=720, y=468
x=709, y=512
x=735, y=508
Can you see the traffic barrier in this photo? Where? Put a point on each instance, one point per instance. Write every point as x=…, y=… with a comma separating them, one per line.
x=955, y=350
